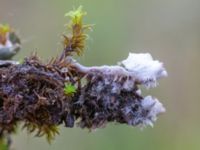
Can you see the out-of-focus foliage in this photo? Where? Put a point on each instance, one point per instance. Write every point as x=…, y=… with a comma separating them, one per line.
x=4, y=29
x=3, y=145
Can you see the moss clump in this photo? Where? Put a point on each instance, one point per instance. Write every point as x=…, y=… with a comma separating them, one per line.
x=75, y=42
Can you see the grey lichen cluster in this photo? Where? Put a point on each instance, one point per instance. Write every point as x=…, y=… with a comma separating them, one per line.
x=112, y=92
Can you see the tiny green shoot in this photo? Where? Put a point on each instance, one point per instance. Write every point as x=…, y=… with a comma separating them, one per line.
x=69, y=89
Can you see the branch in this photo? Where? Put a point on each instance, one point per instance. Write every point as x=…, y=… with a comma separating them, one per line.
x=34, y=93
x=62, y=91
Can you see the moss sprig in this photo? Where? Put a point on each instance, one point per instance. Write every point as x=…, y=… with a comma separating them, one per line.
x=75, y=42
x=49, y=131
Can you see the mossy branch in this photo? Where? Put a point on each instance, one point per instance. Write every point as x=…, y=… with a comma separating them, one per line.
x=62, y=91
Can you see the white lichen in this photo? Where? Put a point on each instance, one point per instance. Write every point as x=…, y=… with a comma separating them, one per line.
x=10, y=48
x=137, y=69
x=145, y=69
x=153, y=108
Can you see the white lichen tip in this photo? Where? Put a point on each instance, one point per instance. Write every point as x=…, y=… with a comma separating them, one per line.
x=145, y=69
x=154, y=108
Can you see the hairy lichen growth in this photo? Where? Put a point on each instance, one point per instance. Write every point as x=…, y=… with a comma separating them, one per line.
x=62, y=91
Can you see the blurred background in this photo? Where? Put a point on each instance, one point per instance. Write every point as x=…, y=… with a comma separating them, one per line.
x=168, y=29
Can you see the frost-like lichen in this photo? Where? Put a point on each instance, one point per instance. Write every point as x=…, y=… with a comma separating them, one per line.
x=144, y=68
x=114, y=92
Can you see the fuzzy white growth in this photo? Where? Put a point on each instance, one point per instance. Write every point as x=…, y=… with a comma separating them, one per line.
x=153, y=107
x=145, y=69
x=136, y=69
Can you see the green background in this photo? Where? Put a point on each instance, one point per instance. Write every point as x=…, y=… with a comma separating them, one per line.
x=168, y=29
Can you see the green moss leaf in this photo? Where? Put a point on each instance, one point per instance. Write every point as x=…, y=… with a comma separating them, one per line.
x=69, y=89
x=76, y=15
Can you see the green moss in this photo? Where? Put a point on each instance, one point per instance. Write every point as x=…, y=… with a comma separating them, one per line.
x=49, y=131
x=76, y=15
x=69, y=89
x=75, y=42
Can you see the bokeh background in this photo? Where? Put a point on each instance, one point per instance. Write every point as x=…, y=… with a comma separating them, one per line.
x=168, y=29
